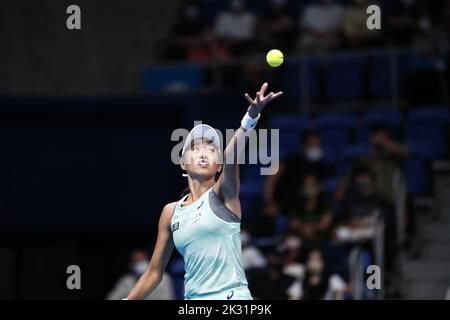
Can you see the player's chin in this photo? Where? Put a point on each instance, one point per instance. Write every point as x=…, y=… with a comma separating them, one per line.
x=204, y=171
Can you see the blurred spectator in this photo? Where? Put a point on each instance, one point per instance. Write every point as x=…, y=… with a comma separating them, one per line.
x=360, y=205
x=282, y=270
x=193, y=40
x=355, y=31
x=321, y=25
x=277, y=26
x=362, y=209
x=139, y=262
x=252, y=258
x=317, y=284
x=407, y=18
x=385, y=160
x=310, y=216
x=271, y=284
x=292, y=250
x=236, y=28
x=428, y=65
x=281, y=189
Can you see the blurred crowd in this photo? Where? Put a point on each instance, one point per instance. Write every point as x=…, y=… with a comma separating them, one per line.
x=316, y=233
x=314, y=26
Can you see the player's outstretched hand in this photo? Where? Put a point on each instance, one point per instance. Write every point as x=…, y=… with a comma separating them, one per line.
x=260, y=101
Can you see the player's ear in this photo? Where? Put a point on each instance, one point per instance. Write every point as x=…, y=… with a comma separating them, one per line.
x=219, y=167
x=183, y=164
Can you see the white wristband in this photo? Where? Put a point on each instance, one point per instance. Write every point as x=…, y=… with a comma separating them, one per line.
x=248, y=122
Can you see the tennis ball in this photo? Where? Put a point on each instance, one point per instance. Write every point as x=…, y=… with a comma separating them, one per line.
x=274, y=58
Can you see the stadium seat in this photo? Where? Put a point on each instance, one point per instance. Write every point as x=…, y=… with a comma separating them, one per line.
x=428, y=125
x=344, y=78
x=350, y=155
x=416, y=167
x=291, y=129
x=392, y=119
x=335, y=129
x=172, y=78
x=381, y=76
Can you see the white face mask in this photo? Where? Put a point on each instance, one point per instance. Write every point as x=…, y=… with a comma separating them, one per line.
x=292, y=243
x=140, y=267
x=315, y=266
x=313, y=154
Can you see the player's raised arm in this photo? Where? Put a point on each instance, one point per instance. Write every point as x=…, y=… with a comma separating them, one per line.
x=227, y=186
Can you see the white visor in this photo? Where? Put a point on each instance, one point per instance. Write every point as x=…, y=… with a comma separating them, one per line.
x=202, y=131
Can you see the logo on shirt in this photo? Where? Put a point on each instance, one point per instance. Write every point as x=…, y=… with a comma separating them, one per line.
x=197, y=216
x=230, y=295
x=200, y=205
x=175, y=226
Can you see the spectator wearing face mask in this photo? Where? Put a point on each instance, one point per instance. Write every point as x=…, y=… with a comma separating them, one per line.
x=310, y=215
x=139, y=262
x=317, y=284
x=281, y=189
x=385, y=161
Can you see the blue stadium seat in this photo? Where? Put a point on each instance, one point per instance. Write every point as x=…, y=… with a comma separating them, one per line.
x=431, y=114
x=350, y=155
x=291, y=129
x=335, y=129
x=392, y=119
x=281, y=223
x=331, y=185
x=292, y=79
x=416, y=167
x=344, y=78
x=296, y=123
x=251, y=188
x=380, y=77
x=428, y=125
x=176, y=270
x=171, y=78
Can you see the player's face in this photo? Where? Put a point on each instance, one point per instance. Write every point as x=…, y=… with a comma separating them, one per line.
x=202, y=159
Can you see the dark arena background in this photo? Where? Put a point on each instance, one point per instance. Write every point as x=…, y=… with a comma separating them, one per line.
x=87, y=112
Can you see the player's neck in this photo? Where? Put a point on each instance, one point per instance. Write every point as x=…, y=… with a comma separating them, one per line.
x=197, y=188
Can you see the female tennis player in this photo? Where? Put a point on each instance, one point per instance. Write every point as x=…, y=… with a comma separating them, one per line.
x=204, y=225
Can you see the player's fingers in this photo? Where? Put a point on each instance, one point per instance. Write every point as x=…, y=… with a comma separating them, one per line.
x=250, y=100
x=263, y=89
x=276, y=95
x=269, y=97
x=258, y=98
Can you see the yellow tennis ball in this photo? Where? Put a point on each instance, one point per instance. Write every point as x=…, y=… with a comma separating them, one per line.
x=274, y=58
